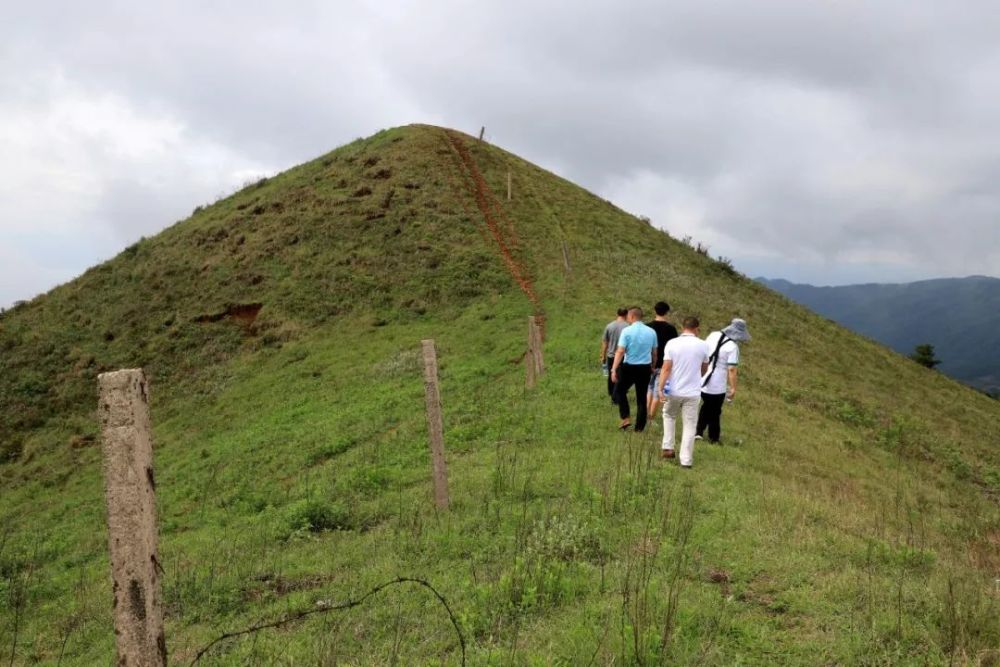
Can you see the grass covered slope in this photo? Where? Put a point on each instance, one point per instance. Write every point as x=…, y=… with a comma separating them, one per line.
x=852, y=516
x=352, y=234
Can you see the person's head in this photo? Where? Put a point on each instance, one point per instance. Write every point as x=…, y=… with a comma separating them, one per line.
x=737, y=330
x=691, y=324
x=661, y=308
x=634, y=314
x=622, y=313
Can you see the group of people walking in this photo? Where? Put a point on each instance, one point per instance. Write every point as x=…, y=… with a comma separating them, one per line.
x=691, y=377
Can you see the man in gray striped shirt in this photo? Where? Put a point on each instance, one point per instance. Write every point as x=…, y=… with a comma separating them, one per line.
x=609, y=345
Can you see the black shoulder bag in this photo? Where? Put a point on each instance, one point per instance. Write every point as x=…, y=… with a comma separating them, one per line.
x=714, y=359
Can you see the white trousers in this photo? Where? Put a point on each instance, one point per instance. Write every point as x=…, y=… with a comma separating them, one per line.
x=687, y=406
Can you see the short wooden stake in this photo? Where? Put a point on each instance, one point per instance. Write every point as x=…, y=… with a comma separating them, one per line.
x=509, y=185
x=482, y=131
x=435, y=426
x=129, y=490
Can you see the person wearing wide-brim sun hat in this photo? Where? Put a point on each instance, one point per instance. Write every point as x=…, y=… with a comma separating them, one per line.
x=719, y=383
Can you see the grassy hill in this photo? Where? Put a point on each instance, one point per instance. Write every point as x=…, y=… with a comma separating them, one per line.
x=958, y=316
x=851, y=517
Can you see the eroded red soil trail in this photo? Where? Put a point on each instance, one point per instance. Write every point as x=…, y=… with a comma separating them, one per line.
x=496, y=221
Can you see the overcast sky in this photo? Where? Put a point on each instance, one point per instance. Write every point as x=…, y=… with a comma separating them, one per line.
x=820, y=141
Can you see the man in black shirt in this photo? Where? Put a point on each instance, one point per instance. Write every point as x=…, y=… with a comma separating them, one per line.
x=664, y=332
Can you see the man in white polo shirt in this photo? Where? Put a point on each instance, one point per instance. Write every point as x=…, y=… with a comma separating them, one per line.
x=685, y=362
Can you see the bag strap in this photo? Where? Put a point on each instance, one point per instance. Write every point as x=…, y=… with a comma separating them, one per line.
x=714, y=359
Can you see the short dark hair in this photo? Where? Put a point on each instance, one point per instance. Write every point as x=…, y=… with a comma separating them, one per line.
x=691, y=322
x=661, y=308
x=636, y=310
x=622, y=312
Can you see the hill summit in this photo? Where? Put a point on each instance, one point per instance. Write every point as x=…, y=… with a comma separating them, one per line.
x=850, y=515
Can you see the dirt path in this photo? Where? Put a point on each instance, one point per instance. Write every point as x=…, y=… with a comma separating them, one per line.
x=496, y=221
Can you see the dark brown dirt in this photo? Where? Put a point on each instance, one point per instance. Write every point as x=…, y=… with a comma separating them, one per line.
x=496, y=222
x=244, y=314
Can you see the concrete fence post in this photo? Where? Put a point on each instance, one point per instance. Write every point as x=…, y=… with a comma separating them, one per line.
x=435, y=425
x=537, y=346
x=129, y=490
x=531, y=357
x=509, y=187
x=566, y=265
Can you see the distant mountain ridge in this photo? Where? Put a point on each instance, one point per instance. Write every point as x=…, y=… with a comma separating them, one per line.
x=960, y=317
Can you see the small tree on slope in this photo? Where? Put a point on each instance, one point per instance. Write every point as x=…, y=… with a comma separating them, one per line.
x=924, y=355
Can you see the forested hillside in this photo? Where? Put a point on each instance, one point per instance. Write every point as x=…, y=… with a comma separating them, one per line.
x=958, y=316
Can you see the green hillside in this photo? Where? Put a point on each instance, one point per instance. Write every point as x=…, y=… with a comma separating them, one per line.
x=851, y=517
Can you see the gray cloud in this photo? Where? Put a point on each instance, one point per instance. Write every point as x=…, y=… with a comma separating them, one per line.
x=839, y=132
x=825, y=140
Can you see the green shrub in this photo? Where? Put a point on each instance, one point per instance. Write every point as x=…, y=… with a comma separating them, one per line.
x=958, y=466
x=725, y=264
x=314, y=515
x=565, y=538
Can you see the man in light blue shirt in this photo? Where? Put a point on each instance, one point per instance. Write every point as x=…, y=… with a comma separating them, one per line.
x=633, y=365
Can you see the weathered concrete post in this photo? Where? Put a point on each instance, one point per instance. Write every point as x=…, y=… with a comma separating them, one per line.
x=129, y=490
x=435, y=426
x=530, y=357
x=538, y=346
x=566, y=265
x=509, y=187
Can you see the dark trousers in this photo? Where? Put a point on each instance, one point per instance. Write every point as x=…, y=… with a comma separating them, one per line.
x=611, y=385
x=710, y=415
x=629, y=375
